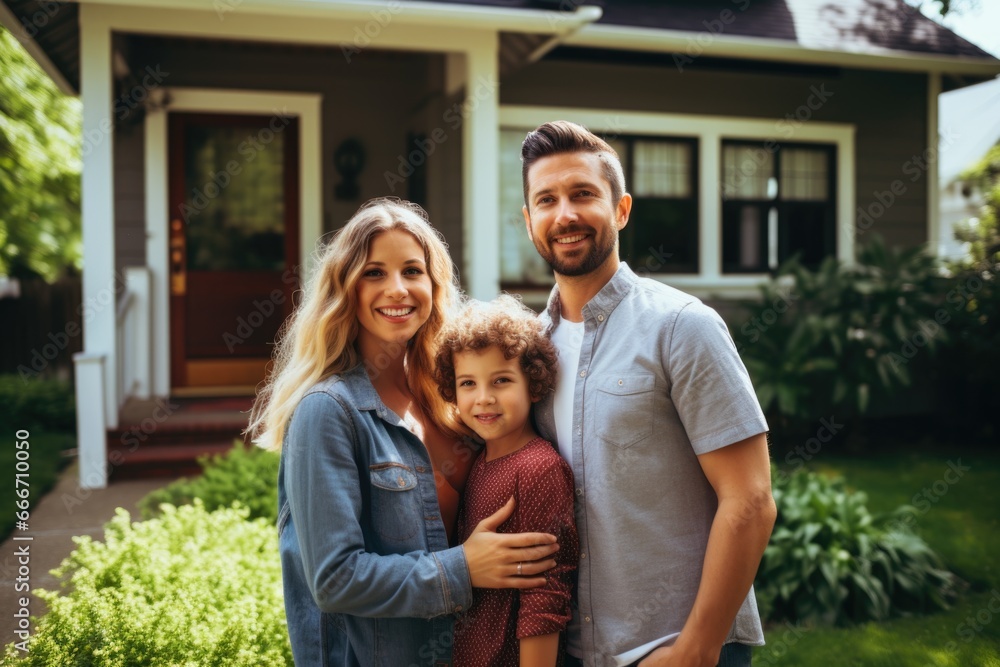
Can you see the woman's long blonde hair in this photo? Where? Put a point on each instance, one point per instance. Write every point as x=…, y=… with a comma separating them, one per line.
x=318, y=339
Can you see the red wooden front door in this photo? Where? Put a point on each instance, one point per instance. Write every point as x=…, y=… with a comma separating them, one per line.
x=234, y=244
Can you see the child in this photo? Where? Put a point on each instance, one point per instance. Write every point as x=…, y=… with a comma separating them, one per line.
x=493, y=362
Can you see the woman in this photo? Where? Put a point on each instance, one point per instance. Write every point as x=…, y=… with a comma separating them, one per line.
x=370, y=469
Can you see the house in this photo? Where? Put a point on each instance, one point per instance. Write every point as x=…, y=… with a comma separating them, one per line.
x=223, y=138
x=975, y=109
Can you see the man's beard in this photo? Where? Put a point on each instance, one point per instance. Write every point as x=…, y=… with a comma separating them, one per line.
x=580, y=266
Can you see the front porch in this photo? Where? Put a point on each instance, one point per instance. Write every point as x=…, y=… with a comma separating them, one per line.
x=155, y=81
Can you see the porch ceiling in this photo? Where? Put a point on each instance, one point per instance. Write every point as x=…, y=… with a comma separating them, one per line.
x=55, y=26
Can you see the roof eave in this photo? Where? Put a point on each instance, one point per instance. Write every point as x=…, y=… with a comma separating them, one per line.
x=684, y=43
x=412, y=13
x=9, y=21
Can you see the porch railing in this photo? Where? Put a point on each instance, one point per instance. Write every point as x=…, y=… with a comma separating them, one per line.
x=133, y=328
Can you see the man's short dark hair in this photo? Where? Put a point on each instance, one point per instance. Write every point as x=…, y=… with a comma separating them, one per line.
x=562, y=136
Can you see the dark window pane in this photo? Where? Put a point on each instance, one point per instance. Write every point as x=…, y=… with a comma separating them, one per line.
x=662, y=236
x=234, y=199
x=807, y=229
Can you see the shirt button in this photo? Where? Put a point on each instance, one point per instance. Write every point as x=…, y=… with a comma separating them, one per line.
x=587, y=619
x=423, y=469
x=600, y=318
x=579, y=492
x=401, y=481
x=583, y=374
x=583, y=555
x=458, y=608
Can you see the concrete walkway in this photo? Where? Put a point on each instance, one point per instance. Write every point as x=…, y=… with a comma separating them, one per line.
x=67, y=510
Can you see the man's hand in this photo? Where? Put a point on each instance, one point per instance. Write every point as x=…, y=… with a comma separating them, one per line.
x=507, y=560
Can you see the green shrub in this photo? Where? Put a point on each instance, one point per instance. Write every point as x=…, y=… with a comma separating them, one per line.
x=245, y=475
x=188, y=588
x=836, y=340
x=829, y=562
x=37, y=403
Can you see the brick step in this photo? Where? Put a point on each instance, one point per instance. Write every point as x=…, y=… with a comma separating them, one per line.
x=162, y=460
x=164, y=437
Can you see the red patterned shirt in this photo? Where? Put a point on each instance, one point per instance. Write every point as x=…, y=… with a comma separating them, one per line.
x=542, y=485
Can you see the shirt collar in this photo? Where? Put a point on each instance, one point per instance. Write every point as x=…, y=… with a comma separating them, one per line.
x=602, y=303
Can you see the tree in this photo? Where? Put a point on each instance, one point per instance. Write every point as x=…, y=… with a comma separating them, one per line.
x=39, y=169
x=982, y=233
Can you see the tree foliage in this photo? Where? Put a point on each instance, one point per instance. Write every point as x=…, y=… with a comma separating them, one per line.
x=39, y=169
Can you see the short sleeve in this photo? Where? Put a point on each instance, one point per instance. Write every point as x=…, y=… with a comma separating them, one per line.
x=709, y=384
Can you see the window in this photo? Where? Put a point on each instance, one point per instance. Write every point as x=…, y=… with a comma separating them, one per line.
x=662, y=233
x=661, y=175
x=777, y=202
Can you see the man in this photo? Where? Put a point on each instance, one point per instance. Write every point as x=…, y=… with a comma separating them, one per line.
x=656, y=415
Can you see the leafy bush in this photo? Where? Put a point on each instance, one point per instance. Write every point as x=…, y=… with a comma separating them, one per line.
x=828, y=562
x=247, y=475
x=37, y=403
x=188, y=588
x=837, y=339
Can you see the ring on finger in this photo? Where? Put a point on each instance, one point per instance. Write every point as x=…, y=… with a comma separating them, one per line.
x=519, y=568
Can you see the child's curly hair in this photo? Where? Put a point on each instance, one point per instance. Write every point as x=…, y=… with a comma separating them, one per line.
x=504, y=323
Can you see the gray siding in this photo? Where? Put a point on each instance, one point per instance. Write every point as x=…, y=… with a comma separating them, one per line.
x=130, y=197
x=889, y=111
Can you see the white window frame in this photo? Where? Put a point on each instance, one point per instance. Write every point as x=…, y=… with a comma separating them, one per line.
x=711, y=131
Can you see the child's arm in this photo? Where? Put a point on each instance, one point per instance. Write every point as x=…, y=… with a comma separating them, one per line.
x=545, y=498
x=540, y=650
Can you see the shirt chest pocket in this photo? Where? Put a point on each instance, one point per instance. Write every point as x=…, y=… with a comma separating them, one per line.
x=395, y=501
x=623, y=407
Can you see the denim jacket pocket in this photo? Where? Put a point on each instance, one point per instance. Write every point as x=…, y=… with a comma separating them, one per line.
x=395, y=501
x=623, y=409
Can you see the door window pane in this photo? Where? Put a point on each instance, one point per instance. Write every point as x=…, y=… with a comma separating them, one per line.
x=234, y=204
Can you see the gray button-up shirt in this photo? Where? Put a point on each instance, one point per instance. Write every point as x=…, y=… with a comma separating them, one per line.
x=659, y=382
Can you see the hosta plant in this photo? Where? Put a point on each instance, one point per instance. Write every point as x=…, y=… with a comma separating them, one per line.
x=830, y=562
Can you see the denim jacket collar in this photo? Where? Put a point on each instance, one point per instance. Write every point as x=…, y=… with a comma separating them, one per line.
x=362, y=394
x=604, y=302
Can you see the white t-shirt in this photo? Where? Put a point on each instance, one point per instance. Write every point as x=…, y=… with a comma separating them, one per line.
x=568, y=338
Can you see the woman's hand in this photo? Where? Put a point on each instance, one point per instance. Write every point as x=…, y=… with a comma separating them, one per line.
x=495, y=558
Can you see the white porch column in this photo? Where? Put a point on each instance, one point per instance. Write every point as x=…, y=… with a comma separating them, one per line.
x=481, y=170
x=97, y=210
x=90, y=430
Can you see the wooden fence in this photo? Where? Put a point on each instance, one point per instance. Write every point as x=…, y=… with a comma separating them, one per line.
x=41, y=329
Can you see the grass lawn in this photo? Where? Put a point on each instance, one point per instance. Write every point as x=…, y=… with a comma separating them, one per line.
x=960, y=521
x=45, y=460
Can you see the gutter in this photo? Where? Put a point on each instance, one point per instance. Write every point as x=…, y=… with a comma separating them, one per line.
x=9, y=21
x=435, y=14
x=695, y=44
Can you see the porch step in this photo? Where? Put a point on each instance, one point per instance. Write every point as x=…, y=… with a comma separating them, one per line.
x=165, y=437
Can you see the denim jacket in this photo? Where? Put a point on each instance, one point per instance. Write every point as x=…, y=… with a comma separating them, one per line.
x=369, y=579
